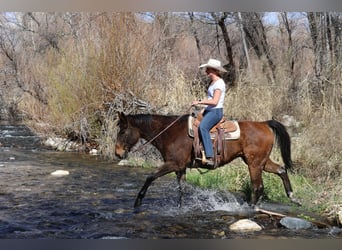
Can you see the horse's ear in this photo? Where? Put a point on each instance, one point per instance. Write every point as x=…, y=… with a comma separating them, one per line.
x=123, y=119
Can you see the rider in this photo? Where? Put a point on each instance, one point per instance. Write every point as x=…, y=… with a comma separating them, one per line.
x=213, y=112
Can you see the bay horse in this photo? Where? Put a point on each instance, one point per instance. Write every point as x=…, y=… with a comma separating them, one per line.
x=176, y=147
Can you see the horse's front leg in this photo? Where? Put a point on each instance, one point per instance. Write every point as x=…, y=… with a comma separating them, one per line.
x=255, y=172
x=166, y=168
x=143, y=190
x=180, y=178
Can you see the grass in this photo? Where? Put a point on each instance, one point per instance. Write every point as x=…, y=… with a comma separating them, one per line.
x=234, y=177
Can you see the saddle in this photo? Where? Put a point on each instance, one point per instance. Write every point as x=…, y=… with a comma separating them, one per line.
x=223, y=130
x=230, y=129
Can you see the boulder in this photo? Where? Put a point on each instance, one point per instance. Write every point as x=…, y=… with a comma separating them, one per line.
x=93, y=152
x=62, y=144
x=60, y=173
x=295, y=223
x=245, y=225
x=290, y=121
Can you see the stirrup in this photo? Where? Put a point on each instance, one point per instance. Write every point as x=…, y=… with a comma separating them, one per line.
x=206, y=163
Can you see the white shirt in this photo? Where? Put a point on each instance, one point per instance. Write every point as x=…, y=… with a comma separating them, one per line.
x=219, y=84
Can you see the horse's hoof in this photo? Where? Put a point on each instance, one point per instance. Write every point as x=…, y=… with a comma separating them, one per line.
x=137, y=203
x=296, y=201
x=136, y=210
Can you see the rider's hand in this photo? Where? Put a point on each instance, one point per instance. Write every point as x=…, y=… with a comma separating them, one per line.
x=194, y=103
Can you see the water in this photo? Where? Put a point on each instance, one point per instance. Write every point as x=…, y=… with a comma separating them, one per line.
x=18, y=135
x=96, y=200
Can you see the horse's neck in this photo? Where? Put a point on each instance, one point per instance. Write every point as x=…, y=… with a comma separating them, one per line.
x=147, y=129
x=151, y=130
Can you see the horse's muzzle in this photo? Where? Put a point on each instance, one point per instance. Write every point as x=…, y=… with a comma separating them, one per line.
x=120, y=151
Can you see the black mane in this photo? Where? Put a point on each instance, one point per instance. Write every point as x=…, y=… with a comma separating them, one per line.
x=147, y=119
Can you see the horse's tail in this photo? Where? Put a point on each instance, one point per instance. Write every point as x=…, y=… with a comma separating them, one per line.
x=283, y=140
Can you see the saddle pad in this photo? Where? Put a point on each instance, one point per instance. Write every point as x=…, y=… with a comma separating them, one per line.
x=233, y=135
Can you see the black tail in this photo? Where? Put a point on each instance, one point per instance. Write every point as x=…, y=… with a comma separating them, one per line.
x=283, y=140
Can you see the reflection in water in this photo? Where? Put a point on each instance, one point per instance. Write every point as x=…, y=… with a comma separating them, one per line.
x=96, y=201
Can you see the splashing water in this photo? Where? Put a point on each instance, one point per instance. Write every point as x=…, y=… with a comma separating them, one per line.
x=213, y=200
x=196, y=199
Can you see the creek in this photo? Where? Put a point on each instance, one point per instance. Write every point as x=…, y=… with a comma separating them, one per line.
x=95, y=200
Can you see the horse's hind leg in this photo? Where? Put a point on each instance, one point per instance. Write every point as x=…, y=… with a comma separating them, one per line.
x=272, y=167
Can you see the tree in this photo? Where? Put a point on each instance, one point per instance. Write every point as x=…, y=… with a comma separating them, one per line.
x=325, y=32
x=220, y=19
x=244, y=43
x=290, y=46
x=256, y=36
x=196, y=36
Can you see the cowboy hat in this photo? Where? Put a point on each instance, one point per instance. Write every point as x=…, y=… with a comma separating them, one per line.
x=215, y=64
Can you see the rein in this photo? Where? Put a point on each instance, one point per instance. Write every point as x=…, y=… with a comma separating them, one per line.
x=156, y=136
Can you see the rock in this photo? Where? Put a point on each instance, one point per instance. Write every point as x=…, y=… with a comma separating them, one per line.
x=218, y=233
x=123, y=163
x=295, y=223
x=245, y=225
x=293, y=126
x=93, y=152
x=339, y=216
x=60, y=173
x=290, y=121
x=62, y=144
x=49, y=142
x=70, y=146
x=54, y=142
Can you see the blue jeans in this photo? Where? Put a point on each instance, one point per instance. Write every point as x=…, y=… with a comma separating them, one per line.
x=210, y=119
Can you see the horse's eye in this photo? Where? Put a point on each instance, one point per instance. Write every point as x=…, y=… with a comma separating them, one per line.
x=123, y=134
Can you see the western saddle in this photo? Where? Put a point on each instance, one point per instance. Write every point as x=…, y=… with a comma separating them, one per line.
x=222, y=131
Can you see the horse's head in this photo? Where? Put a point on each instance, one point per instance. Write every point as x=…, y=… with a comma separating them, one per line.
x=127, y=137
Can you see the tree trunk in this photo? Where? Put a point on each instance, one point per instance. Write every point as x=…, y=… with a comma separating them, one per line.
x=231, y=76
x=244, y=43
x=290, y=48
x=195, y=33
x=313, y=25
x=256, y=36
x=220, y=19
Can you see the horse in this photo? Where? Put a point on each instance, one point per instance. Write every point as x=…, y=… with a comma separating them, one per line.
x=254, y=146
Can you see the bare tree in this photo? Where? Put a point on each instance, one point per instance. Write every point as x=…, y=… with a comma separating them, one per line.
x=220, y=19
x=290, y=46
x=196, y=36
x=256, y=37
x=336, y=38
x=317, y=38
x=244, y=43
